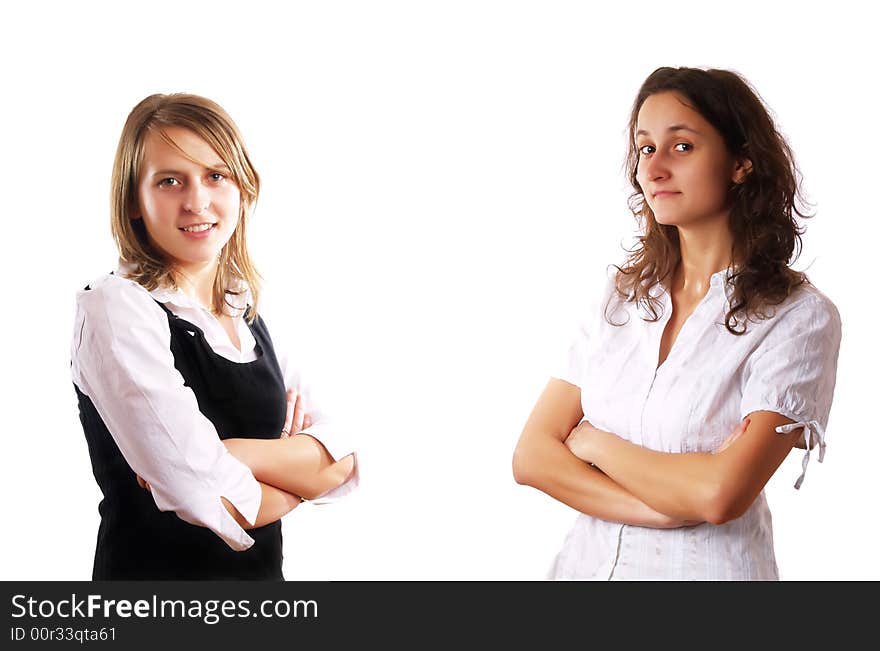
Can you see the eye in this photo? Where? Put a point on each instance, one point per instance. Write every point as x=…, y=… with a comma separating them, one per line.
x=646, y=149
x=683, y=146
x=170, y=181
x=216, y=177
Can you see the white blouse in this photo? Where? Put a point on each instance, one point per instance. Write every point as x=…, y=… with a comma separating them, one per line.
x=121, y=359
x=709, y=382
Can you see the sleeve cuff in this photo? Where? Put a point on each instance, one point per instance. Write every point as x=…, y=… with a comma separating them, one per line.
x=231, y=533
x=238, y=485
x=813, y=434
x=346, y=487
x=329, y=436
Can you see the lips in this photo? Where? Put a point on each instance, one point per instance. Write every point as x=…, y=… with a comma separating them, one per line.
x=201, y=227
x=662, y=194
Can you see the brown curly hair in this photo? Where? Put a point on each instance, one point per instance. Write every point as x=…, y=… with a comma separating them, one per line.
x=763, y=208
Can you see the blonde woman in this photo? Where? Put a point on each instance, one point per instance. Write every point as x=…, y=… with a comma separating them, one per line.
x=194, y=417
x=704, y=362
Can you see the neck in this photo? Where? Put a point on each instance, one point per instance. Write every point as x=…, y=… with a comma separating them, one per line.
x=197, y=282
x=705, y=249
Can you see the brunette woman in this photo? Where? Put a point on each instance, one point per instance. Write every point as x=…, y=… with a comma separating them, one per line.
x=705, y=361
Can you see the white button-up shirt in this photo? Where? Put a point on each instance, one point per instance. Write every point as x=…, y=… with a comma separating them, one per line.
x=709, y=382
x=121, y=359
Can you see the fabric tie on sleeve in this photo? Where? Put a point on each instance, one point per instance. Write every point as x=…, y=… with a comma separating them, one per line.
x=812, y=429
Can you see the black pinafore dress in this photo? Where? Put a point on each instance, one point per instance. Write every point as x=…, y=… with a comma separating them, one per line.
x=135, y=539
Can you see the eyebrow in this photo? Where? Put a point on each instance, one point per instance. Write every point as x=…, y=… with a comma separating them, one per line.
x=221, y=167
x=674, y=127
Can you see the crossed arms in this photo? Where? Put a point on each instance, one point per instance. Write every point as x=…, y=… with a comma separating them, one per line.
x=288, y=469
x=603, y=475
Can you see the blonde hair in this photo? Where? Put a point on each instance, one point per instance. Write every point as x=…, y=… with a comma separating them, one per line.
x=210, y=122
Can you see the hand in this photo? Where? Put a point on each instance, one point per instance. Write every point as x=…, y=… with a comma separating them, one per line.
x=143, y=483
x=734, y=435
x=296, y=420
x=668, y=522
x=580, y=439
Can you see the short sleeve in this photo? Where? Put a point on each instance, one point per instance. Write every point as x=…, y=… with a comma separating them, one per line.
x=794, y=369
x=570, y=363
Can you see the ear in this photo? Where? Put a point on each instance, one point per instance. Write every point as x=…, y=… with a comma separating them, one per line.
x=741, y=169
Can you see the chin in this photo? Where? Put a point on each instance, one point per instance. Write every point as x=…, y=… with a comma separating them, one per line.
x=194, y=261
x=666, y=220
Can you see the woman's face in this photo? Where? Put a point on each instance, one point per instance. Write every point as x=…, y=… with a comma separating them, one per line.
x=190, y=209
x=685, y=170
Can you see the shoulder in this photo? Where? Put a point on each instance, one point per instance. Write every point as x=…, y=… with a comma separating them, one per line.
x=117, y=320
x=808, y=308
x=608, y=309
x=278, y=322
x=596, y=303
x=602, y=295
x=806, y=319
x=114, y=298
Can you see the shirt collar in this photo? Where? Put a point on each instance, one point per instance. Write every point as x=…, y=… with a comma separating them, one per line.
x=723, y=279
x=718, y=281
x=177, y=297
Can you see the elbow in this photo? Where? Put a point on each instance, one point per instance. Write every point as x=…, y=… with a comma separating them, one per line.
x=716, y=516
x=722, y=506
x=523, y=467
x=311, y=493
x=329, y=479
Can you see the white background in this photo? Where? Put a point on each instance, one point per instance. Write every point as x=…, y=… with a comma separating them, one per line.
x=443, y=189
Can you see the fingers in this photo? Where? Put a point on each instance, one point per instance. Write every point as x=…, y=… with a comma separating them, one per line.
x=296, y=418
x=298, y=415
x=292, y=399
x=143, y=483
x=738, y=431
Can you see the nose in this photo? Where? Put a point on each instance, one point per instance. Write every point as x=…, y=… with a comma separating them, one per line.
x=197, y=199
x=654, y=168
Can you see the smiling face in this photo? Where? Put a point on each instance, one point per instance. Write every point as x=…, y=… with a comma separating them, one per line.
x=685, y=169
x=187, y=199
